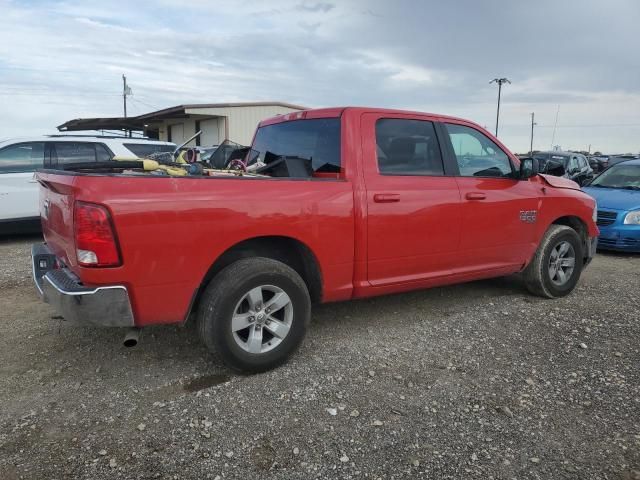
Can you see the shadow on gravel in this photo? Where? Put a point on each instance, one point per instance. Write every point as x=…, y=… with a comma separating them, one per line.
x=616, y=254
x=438, y=301
x=179, y=347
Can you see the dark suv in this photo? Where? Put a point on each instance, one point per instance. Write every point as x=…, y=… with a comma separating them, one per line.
x=573, y=166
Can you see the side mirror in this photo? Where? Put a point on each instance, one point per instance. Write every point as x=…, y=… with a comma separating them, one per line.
x=528, y=168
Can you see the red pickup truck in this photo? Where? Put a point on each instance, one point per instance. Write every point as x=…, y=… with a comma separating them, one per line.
x=372, y=202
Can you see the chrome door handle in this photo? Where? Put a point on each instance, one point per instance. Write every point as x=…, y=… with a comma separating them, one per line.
x=386, y=197
x=475, y=196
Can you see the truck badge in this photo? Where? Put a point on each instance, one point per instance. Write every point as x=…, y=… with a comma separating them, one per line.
x=528, y=216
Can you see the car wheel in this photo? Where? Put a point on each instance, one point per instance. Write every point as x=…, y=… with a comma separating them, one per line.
x=556, y=266
x=255, y=313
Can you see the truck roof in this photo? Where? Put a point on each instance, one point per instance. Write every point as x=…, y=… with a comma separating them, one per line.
x=330, y=112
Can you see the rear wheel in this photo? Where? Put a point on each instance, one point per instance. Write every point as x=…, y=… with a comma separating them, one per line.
x=557, y=265
x=255, y=313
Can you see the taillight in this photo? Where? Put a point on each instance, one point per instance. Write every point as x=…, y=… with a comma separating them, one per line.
x=96, y=244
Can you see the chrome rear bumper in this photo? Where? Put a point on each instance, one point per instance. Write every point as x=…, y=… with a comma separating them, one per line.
x=106, y=306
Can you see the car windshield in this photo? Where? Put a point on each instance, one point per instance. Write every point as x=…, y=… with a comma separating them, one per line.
x=619, y=176
x=315, y=139
x=543, y=158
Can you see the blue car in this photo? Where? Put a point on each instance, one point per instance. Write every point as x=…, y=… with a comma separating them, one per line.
x=617, y=191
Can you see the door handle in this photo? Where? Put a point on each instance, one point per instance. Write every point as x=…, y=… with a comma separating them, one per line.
x=475, y=196
x=386, y=197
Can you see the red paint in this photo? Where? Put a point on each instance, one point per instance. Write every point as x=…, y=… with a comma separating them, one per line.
x=371, y=234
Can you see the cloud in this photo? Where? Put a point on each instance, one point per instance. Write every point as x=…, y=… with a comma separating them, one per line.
x=315, y=7
x=431, y=56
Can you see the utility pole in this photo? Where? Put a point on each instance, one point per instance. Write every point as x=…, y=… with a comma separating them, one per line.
x=125, y=91
x=555, y=125
x=533, y=123
x=499, y=81
x=124, y=94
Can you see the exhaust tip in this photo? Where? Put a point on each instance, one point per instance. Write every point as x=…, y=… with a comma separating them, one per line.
x=132, y=338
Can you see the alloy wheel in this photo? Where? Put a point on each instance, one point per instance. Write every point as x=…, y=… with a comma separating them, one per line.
x=262, y=319
x=562, y=262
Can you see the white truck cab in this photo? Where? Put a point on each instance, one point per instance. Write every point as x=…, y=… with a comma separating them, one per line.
x=21, y=157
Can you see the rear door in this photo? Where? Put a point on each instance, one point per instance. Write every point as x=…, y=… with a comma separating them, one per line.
x=18, y=189
x=413, y=219
x=498, y=211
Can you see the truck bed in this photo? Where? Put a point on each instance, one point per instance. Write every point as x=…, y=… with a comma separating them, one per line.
x=170, y=230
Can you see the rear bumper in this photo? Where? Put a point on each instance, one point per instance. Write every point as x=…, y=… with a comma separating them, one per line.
x=106, y=306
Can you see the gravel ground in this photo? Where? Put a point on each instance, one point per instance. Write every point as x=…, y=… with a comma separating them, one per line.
x=473, y=381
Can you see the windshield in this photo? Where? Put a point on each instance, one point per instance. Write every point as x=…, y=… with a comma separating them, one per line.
x=619, y=176
x=316, y=139
x=543, y=158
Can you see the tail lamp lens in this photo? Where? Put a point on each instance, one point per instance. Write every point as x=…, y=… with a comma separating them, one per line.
x=96, y=244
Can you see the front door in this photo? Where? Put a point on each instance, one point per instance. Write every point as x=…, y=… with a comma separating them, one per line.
x=413, y=220
x=498, y=210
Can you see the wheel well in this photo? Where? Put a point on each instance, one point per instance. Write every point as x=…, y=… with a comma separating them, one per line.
x=287, y=250
x=579, y=226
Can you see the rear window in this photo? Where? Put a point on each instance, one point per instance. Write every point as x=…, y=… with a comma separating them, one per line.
x=145, y=149
x=315, y=139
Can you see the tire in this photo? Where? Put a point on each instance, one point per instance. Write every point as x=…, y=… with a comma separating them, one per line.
x=246, y=296
x=540, y=276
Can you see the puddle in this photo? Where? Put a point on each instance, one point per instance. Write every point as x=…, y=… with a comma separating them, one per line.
x=206, y=381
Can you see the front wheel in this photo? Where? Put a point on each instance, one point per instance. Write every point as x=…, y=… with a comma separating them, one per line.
x=556, y=267
x=255, y=313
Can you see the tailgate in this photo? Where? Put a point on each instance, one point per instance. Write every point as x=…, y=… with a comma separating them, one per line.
x=57, y=194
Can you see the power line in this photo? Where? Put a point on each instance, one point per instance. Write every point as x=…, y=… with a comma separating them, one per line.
x=137, y=100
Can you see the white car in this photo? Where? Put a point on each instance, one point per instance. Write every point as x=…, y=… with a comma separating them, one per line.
x=21, y=157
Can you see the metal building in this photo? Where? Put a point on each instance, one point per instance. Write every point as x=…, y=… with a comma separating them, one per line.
x=217, y=121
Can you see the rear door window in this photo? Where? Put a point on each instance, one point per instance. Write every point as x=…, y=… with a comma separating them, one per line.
x=66, y=153
x=102, y=153
x=476, y=154
x=22, y=157
x=407, y=147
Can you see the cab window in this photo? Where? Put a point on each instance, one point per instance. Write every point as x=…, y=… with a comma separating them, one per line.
x=407, y=147
x=476, y=154
x=22, y=157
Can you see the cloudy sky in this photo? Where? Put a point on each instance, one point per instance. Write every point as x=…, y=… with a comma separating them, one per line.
x=581, y=59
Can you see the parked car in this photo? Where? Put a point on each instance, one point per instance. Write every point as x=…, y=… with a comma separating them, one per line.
x=598, y=163
x=20, y=157
x=614, y=159
x=617, y=191
x=573, y=166
x=351, y=203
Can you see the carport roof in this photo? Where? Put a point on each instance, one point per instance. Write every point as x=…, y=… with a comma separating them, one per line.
x=110, y=123
x=180, y=110
x=139, y=122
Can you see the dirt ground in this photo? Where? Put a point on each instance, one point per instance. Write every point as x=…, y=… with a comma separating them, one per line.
x=479, y=381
